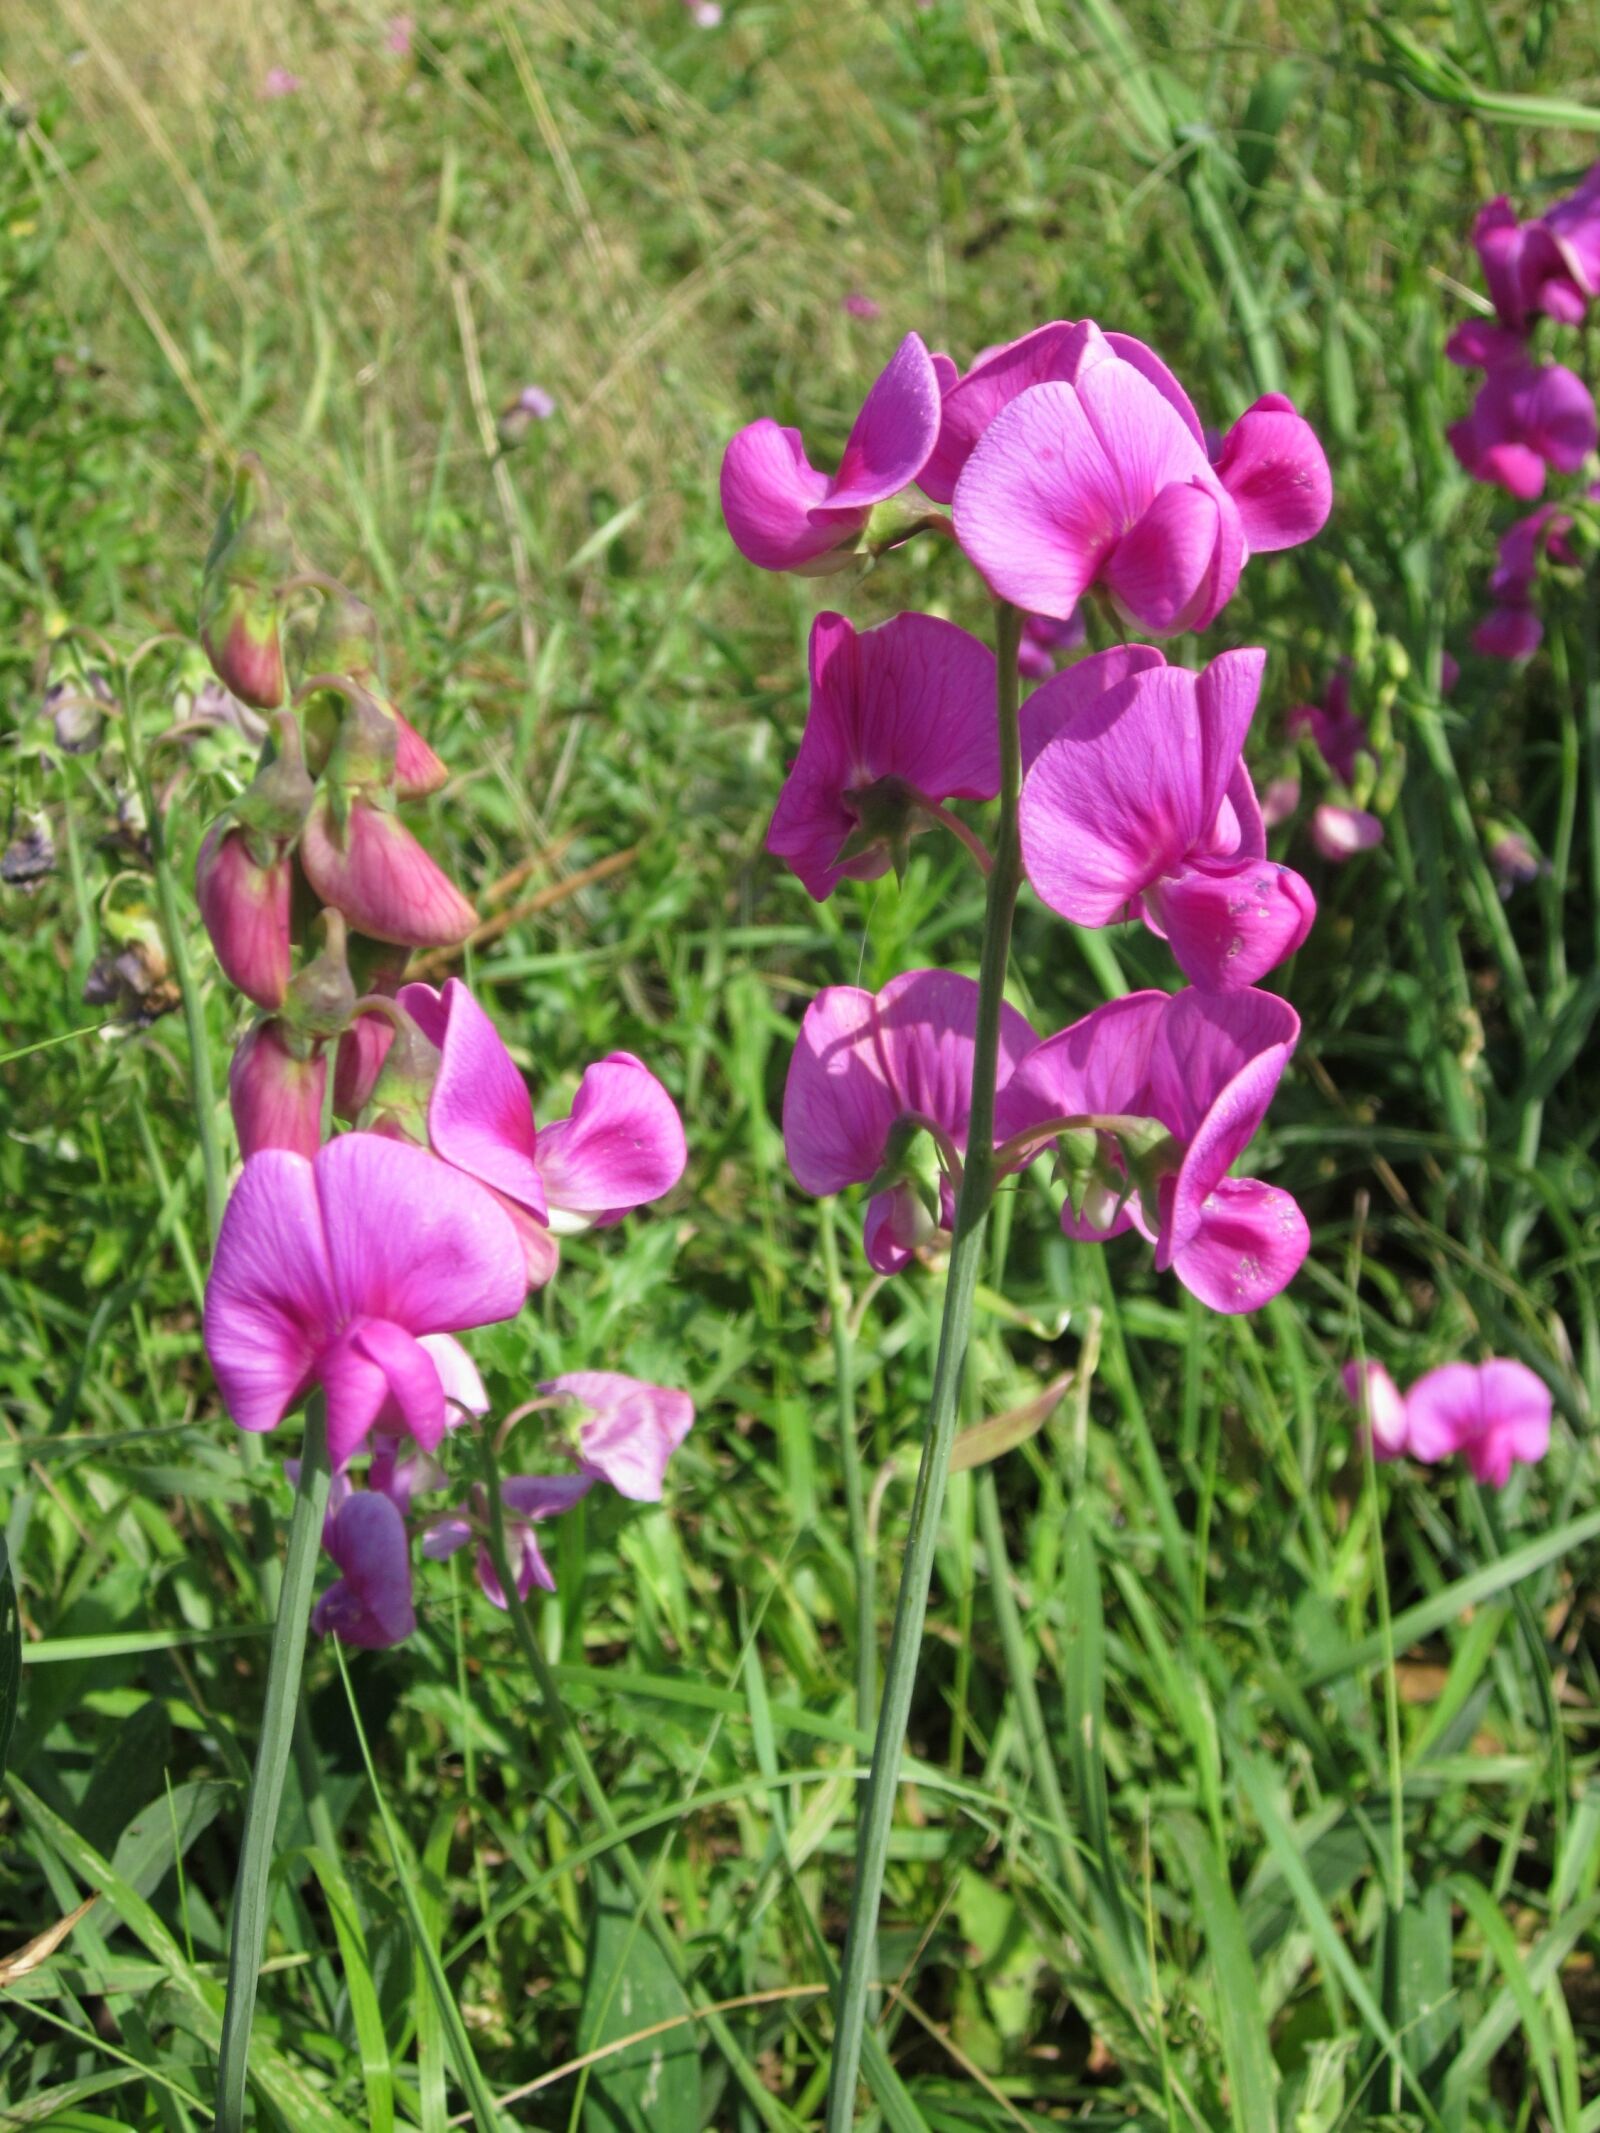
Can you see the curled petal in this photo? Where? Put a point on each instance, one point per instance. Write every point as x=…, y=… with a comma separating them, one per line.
x=370, y=1605
x=1340, y=832
x=1376, y=1397
x=1249, y=1244
x=897, y=1227
x=376, y=1376
x=480, y=1115
x=631, y=1429
x=1277, y=474
x=622, y=1147
x=1229, y=928
x=1162, y=573
x=270, y=1297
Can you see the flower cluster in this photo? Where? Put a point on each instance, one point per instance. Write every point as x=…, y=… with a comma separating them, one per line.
x=349, y=1264
x=1070, y=468
x=1530, y=417
x=1495, y=1413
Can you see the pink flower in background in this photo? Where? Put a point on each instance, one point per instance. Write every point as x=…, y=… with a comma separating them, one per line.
x=1140, y=804
x=901, y=719
x=1044, y=639
x=868, y=1074
x=1204, y=1066
x=1340, y=832
x=1339, y=733
x=704, y=14
x=628, y=1429
x=1449, y=673
x=1510, y=630
x=526, y=1499
x=369, y=1604
x=397, y=35
x=1279, y=801
x=275, y=1096
x=1495, y=1413
x=1526, y=418
x=784, y=515
x=1377, y=1400
x=278, y=81
x=1564, y=287
x=327, y=1272
x=1515, y=862
x=856, y=305
x=535, y=401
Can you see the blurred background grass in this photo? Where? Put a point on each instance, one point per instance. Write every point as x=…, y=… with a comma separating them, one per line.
x=1315, y=1873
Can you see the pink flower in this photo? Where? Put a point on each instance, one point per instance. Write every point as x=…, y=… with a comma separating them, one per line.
x=244, y=902
x=1203, y=1066
x=1043, y=639
x=1377, y=1400
x=872, y=1079
x=397, y=35
x=1449, y=673
x=629, y=1429
x=857, y=305
x=1527, y=417
x=1495, y=1413
x=901, y=719
x=1340, y=734
x=1510, y=630
x=361, y=859
x=704, y=14
x=1515, y=861
x=1563, y=287
x=276, y=1096
x=1279, y=801
x=622, y=1146
x=1340, y=832
x=369, y=1605
x=278, y=81
x=1140, y=802
x=784, y=515
x=525, y=1500
x=327, y=1272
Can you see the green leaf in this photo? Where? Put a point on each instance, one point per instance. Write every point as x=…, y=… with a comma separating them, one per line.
x=10, y=1653
x=1246, y=2048
x=1269, y=105
x=163, y=1831
x=652, y=2086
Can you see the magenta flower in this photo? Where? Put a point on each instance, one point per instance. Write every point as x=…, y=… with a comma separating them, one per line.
x=361, y=859
x=276, y=1097
x=1515, y=862
x=1563, y=290
x=1377, y=1400
x=1512, y=629
x=784, y=515
x=1496, y=1413
x=1550, y=264
x=627, y=1429
x=1044, y=639
x=1203, y=1066
x=327, y=1272
x=855, y=304
x=1140, y=803
x=1340, y=832
x=1339, y=733
x=1527, y=417
x=525, y=1500
x=621, y=1147
x=397, y=35
x=901, y=719
x=369, y=1604
x=872, y=1082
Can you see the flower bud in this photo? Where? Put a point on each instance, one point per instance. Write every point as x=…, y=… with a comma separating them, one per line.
x=359, y=858
x=244, y=903
x=273, y=805
x=377, y=971
x=322, y=996
x=276, y=1096
x=405, y=1080
x=252, y=552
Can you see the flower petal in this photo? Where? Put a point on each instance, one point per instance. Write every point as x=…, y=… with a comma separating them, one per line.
x=632, y=1430
x=1161, y=571
x=1227, y=928
x=622, y=1146
x=370, y=1606
x=1376, y=1398
x=378, y=875
x=1066, y=696
x=927, y=1025
x=480, y=1115
x=1100, y=1064
x=993, y=382
x=893, y=434
x=271, y=1306
x=838, y=1107
x=1039, y=506
x=1275, y=470
x=1249, y=1244
x=769, y=491
x=1216, y=1061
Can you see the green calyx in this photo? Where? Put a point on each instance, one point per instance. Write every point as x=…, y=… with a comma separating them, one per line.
x=912, y=1157
x=322, y=996
x=889, y=813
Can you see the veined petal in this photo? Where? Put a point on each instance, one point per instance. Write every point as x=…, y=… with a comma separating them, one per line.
x=1099, y=1065
x=893, y=434
x=271, y=1305
x=1216, y=1062
x=480, y=1115
x=1039, y=506
x=993, y=382
x=1248, y=1245
x=1229, y=927
x=1275, y=470
x=632, y=1430
x=377, y=874
x=926, y=1026
x=1063, y=700
x=838, y=1107
x=1160, y=573
x=622, y=1146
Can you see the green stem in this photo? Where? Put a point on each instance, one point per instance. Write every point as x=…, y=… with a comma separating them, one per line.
x=251, y=1901
x=966, y=1252
x=855, y=1497
x=766, y=2105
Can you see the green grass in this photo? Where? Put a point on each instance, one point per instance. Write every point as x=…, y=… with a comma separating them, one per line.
x=1189, y=1840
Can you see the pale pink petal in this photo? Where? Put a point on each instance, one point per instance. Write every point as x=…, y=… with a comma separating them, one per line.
x=1227, y=928
x=1248, y=1245
x=631, y=1430
x=838, y=1107
x=446, y=1535
x=1277, y=474
x=1376, y=1398
x=896, y=1227
x=413, y=1241
x=622, y=1147
x=1340, y=832
x=271, y=1304
x=994, y=381
x=458, y=1374
x=480, y=1115
x=377, y=874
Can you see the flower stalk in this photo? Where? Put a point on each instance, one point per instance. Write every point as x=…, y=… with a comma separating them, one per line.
x=251, y=1902
x=971, y=1217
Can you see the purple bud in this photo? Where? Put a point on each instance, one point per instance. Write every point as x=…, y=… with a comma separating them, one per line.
x=275, y=1095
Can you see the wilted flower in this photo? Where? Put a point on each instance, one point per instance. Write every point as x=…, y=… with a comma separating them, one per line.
x=879, y=1093
x=369, y=1605
x=627, y=1429
x=76, y=707
x=30, y=855
x=901, y=719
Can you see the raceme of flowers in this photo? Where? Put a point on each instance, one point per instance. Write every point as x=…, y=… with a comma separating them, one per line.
x=1494, y=1414
x=350, y=1264
x=1531, y=417
x=1069, y=467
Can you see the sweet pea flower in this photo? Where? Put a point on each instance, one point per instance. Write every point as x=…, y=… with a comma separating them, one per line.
x=369, y=1605
x=1203, y=1067
x=280, y=81
x=627, y=1429
x=856, y=304
x=1496, y=1413
x=622, y=1146
x=1564, y=291
x=1339, y=733
x=327, y=1272
x=873, y=1078
x=784, y=515
x=1340, y=832
x=1527, y=417
x=525, y=1499
x=901, y=720
x=1515, y=862
x=1074, y=457
x=1511, y=630
x=1377, y=1400
x=1279, y=801
x=1044, y=639
x=1140, y=803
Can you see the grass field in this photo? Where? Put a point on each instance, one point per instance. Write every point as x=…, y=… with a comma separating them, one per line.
x=1324, y=1850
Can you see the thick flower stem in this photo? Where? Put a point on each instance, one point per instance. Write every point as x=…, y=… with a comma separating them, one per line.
x=251, y=1901
x=766, y=2106
x=966, y=1252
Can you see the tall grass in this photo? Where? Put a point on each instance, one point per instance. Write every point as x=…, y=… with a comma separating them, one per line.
x=1249, y=1787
